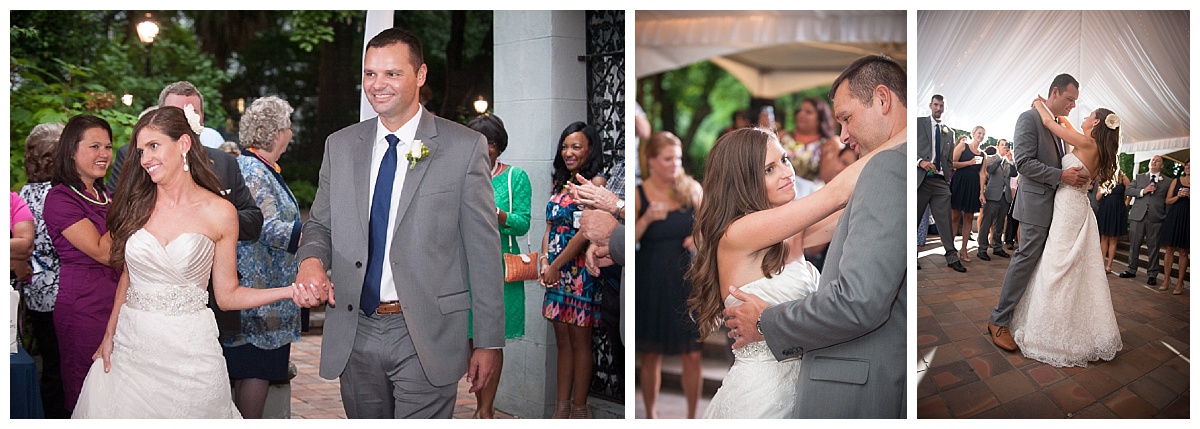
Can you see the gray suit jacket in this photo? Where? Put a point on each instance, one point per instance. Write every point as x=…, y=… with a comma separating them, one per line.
x=444, y=254
x=998, y=187
x=1040, y=166
x=1153, y=206
x=925, y=146
x=852, y=331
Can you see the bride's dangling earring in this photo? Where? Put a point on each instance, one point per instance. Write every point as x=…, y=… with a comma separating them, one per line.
x=185, y=163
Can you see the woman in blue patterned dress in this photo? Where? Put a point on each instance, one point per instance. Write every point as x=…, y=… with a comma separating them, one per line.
x=259, y=354
x=571, y=302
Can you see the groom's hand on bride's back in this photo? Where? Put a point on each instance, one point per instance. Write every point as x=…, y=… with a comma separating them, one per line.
x=742, y=320
x=1075, y=176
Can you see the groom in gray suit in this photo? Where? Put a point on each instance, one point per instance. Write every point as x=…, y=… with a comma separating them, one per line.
x=851, y=332
x=404, y=218
x=1149, y=192
x=1039, y=162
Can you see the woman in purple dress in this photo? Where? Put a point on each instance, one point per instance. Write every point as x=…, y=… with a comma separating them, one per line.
x=74, y=214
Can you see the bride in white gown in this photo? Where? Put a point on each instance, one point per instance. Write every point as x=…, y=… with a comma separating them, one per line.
x=1065, y=317
x=751, y=231
x=160, y=357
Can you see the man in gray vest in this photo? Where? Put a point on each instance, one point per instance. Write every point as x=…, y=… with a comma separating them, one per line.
x=998, y=194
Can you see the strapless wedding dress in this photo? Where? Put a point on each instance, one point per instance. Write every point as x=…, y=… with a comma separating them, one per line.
x=166, y=361
x=758, y=386
x=1066, y=317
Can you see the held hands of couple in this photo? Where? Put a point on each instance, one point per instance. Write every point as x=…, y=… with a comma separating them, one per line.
x=312, y=286
x=742, y=320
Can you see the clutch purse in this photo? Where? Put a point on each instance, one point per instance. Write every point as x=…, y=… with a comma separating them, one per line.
x=520, y=267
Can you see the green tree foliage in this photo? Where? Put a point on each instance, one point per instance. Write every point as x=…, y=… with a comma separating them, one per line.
x=59, y=71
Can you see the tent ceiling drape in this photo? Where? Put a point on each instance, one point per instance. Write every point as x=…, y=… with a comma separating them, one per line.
x=773, y=53
x=990, y=65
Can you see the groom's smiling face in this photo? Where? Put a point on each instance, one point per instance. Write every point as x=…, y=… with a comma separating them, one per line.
x=1062, y=102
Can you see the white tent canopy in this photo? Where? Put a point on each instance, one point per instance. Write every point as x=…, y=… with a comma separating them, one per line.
x=989, y=66
x=773, y=53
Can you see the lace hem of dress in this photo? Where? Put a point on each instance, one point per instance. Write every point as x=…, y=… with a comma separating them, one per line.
x=1101, y=352
x=168, y=300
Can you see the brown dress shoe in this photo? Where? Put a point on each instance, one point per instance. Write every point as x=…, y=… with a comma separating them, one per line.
x=1001, y=337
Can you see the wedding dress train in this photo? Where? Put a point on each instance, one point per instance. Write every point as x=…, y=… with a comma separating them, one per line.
x=757, y=386
x=166, y=361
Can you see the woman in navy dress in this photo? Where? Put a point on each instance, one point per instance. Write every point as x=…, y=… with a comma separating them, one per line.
x=1113, y=219
x=965, y=196
x=1175, y=227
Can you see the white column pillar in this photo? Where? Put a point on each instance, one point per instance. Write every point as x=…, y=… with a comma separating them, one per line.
x=540, y=87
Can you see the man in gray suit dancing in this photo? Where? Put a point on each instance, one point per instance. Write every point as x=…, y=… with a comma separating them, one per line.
x=1039, y=161
x=935, y=144
x=404, y=218
x=998, y=194
x=851, y=332
x=1149, y=192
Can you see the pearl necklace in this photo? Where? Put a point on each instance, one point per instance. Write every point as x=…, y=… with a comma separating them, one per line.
x=89, y=199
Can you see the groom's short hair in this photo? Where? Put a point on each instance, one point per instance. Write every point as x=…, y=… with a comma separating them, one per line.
x=396, y=35
x=1061, y=82
x=865, y=73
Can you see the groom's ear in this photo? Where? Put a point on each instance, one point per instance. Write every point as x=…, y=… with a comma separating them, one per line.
x=883, y=96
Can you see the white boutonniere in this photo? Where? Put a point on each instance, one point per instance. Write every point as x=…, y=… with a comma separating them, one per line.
x=945, y=129
x=193, y=119
x=415, y=153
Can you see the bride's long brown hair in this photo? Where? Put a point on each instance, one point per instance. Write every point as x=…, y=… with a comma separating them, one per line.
x=733, y=187
x=1107, y=139
x=135, y=195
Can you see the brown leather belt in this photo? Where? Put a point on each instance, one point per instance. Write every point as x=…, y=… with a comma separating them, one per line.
x=390, y=307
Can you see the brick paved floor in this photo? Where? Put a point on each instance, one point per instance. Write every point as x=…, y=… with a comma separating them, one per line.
x=316, y=398
x=962, y=374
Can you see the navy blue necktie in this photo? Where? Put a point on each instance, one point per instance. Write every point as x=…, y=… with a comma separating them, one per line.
x=937, y=147
x=381, y=203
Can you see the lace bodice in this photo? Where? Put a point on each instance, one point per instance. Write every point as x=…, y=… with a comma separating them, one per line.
x=1071, y=161
x=171, y=279
x=798, y=279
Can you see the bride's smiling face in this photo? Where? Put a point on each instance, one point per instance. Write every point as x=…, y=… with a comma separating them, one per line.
x=160, y=155
x=778, y=175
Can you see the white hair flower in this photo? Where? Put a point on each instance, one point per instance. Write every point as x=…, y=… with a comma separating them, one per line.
x=193, y=118
x=1112, y=121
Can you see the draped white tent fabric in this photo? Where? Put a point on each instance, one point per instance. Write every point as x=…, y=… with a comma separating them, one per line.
x=989, y=65
x=773, y=53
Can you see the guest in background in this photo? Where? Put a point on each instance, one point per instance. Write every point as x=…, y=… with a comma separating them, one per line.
x=998, y=196
x=814, y=146
x=512, y=191
x=740, y=119
x=75, y=211
x=1175, y=227
x=231, y=148
x=667, y=201
x=1113, y=218
x=570, y=301
x=41, y=290
x=259, y=353
x=1146, y=213
x=965, y=196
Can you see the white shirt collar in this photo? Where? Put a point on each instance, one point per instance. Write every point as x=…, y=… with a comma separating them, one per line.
x=406, y=133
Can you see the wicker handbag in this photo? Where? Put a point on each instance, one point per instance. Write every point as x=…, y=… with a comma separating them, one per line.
x=519, y=266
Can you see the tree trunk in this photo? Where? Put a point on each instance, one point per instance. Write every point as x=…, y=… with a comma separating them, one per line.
x=338, y=86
